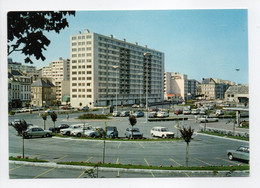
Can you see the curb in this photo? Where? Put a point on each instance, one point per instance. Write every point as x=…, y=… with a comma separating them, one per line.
x=107, y=169
x=223, y=138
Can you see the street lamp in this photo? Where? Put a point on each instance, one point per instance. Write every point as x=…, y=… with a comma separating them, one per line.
x=146, y=55
x=140, y=74
x=116, y=67
x=237, y=69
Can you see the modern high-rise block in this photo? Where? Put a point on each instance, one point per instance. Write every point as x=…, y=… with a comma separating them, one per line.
x=177, y=87
x=107, y=71
x=59, y=74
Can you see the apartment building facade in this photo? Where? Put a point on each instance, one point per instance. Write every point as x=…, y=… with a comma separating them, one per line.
x=107, y=71
x=177, y=87
x=19, y=89
x=59, y=73
x=211, y=88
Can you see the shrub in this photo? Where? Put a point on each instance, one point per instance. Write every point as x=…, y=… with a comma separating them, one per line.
x=93, y=116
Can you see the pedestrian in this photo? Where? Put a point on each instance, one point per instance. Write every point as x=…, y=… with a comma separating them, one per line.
x=68, y=116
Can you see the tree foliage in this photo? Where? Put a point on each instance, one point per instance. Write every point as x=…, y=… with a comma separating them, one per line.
x=186, y=134
x=132, y=121
x=25, y=31
x=20, y=127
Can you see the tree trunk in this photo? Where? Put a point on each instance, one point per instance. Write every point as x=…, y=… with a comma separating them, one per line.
x=205, y=126
x=234, y=128
x=104, y=151
x=23, y=145
x=187, y=154
x=44, y=124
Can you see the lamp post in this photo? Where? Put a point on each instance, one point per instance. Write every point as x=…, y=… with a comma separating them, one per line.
x=237, y=69
x=140, y=74
x=116, y=67
x=146, y=55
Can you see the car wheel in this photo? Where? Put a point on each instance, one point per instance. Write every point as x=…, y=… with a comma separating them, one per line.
x=230, y=157
x=79, y=135
x=68, y=133
x=163, y=136
x=47, y=135
x=152, y=135
x=29, y=136
x=93, y=136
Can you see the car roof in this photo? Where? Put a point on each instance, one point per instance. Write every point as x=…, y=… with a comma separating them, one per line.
x=159, y=127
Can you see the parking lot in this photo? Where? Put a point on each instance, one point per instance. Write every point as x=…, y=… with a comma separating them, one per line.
x=204, y=150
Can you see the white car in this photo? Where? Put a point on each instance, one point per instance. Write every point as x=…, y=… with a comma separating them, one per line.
x=162, y=114
x=71, y=128
x=116, y=113
x=195, y=111
x=81, y=131
x=205, y=119
x=162, y=132
x=219, y=112
x=186, y=112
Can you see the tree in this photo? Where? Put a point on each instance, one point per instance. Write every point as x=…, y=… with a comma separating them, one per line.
x=26, y=31
x=132, y=121
x=21, y=127
x=54, y=118
x=186, y=134
x=44, y=117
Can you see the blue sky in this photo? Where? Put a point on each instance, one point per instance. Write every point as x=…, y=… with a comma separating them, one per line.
x=199, y=43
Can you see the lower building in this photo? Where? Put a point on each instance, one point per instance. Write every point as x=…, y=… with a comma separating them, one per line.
x=237, y=94
x=43, y=93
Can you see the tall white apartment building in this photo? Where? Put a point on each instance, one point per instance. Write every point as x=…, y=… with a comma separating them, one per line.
x=178, y=87
x=106, y=71
x=59, y=72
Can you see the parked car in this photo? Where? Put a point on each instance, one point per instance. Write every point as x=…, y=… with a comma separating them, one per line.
x=134, y=106
x=81, y=131
x=186, y=112
x=162, y=114
x=85, y=108
x=16, y=121
x=116, y=113
x=162, y=132
x=178, y=111
x=112, y=132
x=71, y=128
x=136, y=133
x=124, y=113
x=138, y=114
x=202, y=112
x=205, y=119
x=140, y=105
x=37, y=132
x=241, y=153
x=94, y=132
x=58, y=128
x=153, y=115
x=219, y=112
x=195, y=111
x=49, y=111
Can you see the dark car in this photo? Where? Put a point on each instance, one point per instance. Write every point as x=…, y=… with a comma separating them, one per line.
x=58, y=128
x=136, y=133
x=85, y=108
x=138, y=114
x=112, y=132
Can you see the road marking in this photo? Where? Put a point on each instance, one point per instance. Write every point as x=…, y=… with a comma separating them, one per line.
x=175, y=162
x=99, y=144
x=59, y=158
x=203, y=162
x=146, y=162
x=119, y=145
x=141, y=145
x=228, y=161
x=16, y=167
x=82, y=173
x=163, y=145
x=117, y=160
x=44, y=173
x=152, y=174
x=88, y=159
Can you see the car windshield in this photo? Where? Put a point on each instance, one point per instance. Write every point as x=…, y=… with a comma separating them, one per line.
x=110, y=128
x=135, y=130
x=164, y=129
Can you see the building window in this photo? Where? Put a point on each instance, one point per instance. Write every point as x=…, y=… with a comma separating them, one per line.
x=74, y=96
x=74, y=38
x=88, y=78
